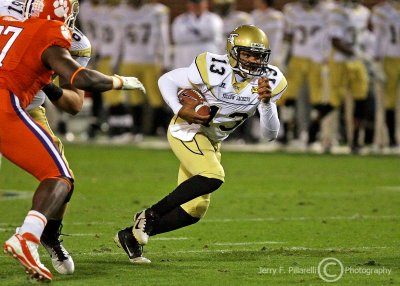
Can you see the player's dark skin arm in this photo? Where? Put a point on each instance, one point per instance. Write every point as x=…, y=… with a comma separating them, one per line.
x=60, y=60
x=342, y=46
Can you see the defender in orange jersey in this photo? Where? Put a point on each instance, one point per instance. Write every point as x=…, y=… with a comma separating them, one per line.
x=31, y=51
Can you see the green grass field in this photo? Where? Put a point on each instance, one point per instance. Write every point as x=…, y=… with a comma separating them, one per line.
x=273, y=221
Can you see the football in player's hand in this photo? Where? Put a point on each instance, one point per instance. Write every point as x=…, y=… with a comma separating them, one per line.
x=195, y=100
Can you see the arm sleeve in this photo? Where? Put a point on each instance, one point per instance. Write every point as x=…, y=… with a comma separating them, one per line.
x=170, y=83
x=269, y=121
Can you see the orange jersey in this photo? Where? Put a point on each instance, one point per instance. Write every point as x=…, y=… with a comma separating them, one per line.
x=21, y=46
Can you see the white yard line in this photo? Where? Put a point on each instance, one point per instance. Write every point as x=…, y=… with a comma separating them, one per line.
x=246, y=243
x=353, y=217
x=389, y=188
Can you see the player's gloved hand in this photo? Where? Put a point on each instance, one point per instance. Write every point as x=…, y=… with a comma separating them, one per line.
x=124, y=82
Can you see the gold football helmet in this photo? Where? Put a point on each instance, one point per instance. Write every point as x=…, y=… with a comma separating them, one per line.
x=248, y=40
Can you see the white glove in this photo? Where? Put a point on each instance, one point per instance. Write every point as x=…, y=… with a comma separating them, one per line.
x=124, y=82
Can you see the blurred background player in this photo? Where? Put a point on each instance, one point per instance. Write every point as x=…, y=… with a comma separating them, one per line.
x=195, y=31
x=348, y=77
x=107, y=60
x=272, y=22
x=145, y=53
x=305, y=32
x=386, y=27
x=231, y=17
x=23, y=72
x=80, y=50
x=235, y=85
x=91, y=14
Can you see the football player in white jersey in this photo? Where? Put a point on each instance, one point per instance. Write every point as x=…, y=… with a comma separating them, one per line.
x=306, y=31
x=145, y=52
x=235, y=85
x=195, y=31
x=386, y=27
x=347, y=72
x=233, y=18
x=71, y=101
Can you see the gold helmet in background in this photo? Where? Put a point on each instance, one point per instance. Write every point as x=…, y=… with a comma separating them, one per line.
x=251, y=40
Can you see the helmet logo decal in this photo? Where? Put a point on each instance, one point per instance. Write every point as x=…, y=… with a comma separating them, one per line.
x=60, y=8
x=231, y=38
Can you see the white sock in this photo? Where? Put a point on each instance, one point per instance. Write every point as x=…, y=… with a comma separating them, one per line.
x=34, y=223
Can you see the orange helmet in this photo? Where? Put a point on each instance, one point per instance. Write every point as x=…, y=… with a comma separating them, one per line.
x=61, y=10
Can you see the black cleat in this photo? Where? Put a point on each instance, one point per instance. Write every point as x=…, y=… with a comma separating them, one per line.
x=60, y=258
x=143, y=223
x=125, y=240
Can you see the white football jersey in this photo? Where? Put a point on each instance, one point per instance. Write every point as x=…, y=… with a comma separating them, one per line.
x=309, y=28
x=349, y=23
x=193, y=35
x=386, y=24
x=231, y=102
x=272, y=23
x=80, y=46
x=146, y=34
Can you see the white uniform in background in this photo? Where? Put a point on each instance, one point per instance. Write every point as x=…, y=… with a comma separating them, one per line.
x=89, y=17
x=145, y=53
x=233, y=20
x=348, y=23
x=386, y=23
x=193, y=35
x=110, y=37
x=271, y=21
x=146, y=34
x=309, y=27
x=386, y=27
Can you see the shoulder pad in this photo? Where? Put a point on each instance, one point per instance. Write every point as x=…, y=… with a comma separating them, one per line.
x=81, y=46
x=277, y=80
x=209, y=69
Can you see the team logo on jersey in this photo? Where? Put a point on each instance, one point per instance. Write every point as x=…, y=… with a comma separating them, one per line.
x=66, y=32
x=61, y=8
x=254, y=89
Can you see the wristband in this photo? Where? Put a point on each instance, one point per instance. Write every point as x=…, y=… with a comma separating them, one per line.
x=117, y=82
x=53, y=92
